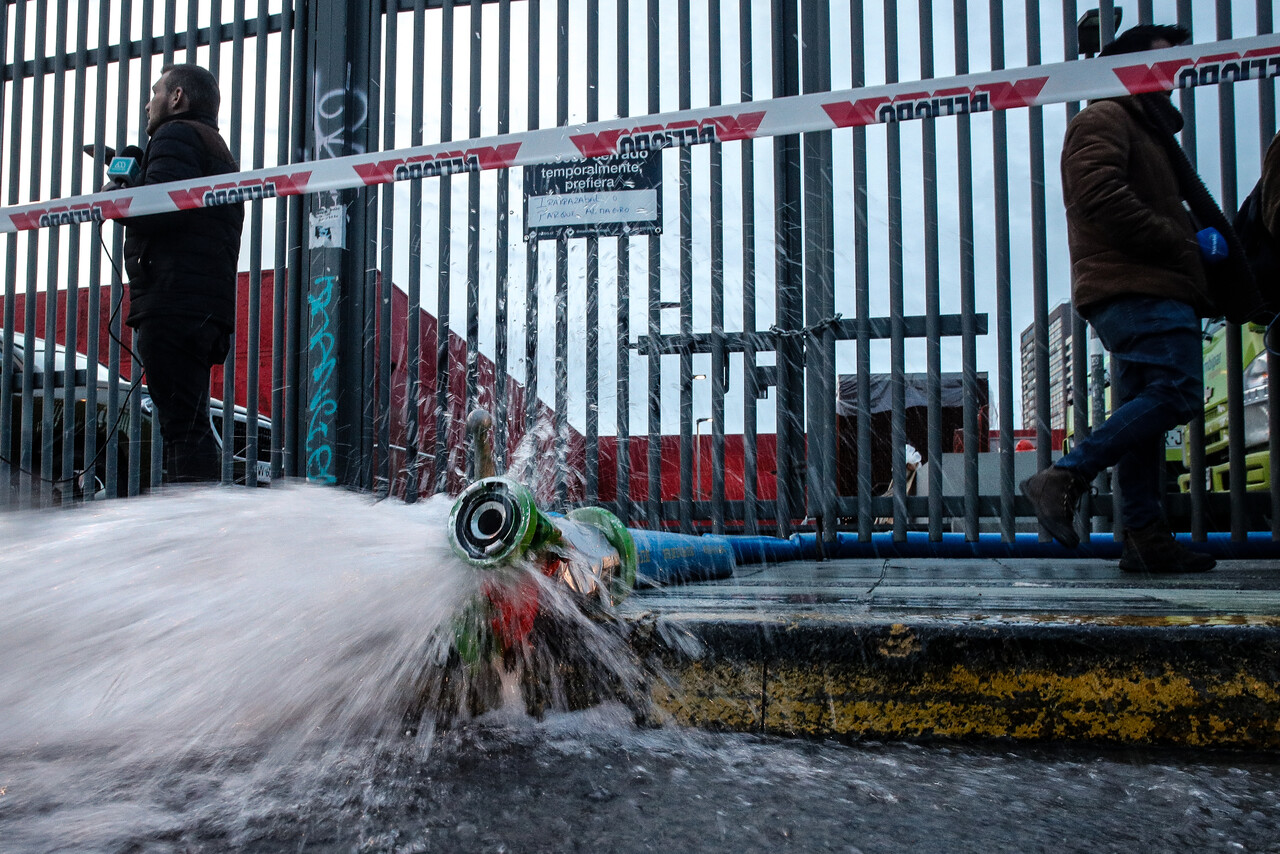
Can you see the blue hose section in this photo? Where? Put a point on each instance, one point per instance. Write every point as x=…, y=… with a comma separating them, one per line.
x=749, y=549
x=680, y=558
x=1102, y=546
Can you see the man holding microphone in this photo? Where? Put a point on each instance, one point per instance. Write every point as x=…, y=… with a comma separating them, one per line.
x=181, y=268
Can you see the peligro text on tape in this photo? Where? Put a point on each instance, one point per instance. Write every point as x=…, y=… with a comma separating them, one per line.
x=1187, y=66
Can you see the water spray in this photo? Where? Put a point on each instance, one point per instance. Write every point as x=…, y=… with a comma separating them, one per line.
x=496, y=523
x=496, y=526
x=544, y=618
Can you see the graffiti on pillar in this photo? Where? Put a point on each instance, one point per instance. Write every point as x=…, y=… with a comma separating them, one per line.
x=338, y=115
x=323, y=405
x=330, y=122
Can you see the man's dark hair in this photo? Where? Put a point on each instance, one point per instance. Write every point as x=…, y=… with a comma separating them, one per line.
x=200, y=86
x=1143, y=36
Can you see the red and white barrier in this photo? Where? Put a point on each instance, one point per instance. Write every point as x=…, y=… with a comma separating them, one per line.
x=1234, y=61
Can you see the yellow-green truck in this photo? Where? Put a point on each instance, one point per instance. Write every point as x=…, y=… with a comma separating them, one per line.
x=1257, y=461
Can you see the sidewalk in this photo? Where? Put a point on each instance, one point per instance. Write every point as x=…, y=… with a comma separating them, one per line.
x=1060, y=650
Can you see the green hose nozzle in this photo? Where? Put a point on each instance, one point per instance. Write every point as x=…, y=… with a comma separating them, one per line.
x=495, y=522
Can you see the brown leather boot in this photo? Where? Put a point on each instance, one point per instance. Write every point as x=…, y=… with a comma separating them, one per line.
x=1154, y=550
x=1054, y=493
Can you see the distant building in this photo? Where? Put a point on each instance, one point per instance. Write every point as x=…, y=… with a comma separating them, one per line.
x=1059, y=385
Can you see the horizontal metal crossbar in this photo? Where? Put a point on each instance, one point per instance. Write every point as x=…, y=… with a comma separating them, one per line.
x=764, y=341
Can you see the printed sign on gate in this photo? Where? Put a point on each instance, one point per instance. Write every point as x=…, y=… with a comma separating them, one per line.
x=605, y=196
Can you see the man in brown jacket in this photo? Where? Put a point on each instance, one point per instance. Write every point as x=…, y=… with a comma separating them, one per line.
x=1138, y=278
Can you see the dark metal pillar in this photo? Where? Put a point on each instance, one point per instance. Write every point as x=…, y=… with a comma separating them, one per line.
x=719, y=353
x=1039, y=255
x=862, y=277
x=790, y=282
x=750, y=384
x=336, y=317
x=683, y=64
x=653, y=366
x=623, y=460
x=819, y=273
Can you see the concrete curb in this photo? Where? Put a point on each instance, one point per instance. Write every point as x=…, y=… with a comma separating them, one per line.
x=1196, y=682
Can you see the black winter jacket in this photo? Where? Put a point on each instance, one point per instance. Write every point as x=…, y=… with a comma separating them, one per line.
x=184, y=263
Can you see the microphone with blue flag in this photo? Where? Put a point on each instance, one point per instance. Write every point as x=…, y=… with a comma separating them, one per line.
x=123, y=169
x=126, y=167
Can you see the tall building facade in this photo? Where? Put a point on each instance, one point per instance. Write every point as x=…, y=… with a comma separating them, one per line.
x=1059, y=380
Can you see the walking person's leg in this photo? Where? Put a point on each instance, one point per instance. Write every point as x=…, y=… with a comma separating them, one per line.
x=1136, y=472
x=1157, y=348
x=1149, y=545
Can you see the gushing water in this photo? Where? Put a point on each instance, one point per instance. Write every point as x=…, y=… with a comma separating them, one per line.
x=218, y=616
x=157, y=647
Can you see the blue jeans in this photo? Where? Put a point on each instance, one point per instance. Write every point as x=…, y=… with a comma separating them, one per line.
x=1158, y=384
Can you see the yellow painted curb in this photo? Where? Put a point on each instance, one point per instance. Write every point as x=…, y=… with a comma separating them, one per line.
x=1197, y=686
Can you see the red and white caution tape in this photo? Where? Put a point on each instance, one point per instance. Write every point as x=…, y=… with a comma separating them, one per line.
x=1234, y=61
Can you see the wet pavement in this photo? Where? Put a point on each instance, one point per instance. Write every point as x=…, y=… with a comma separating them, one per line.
x=964, y=589
x=592, y=782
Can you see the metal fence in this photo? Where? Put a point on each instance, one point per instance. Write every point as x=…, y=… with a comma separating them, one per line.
x=820, y=301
